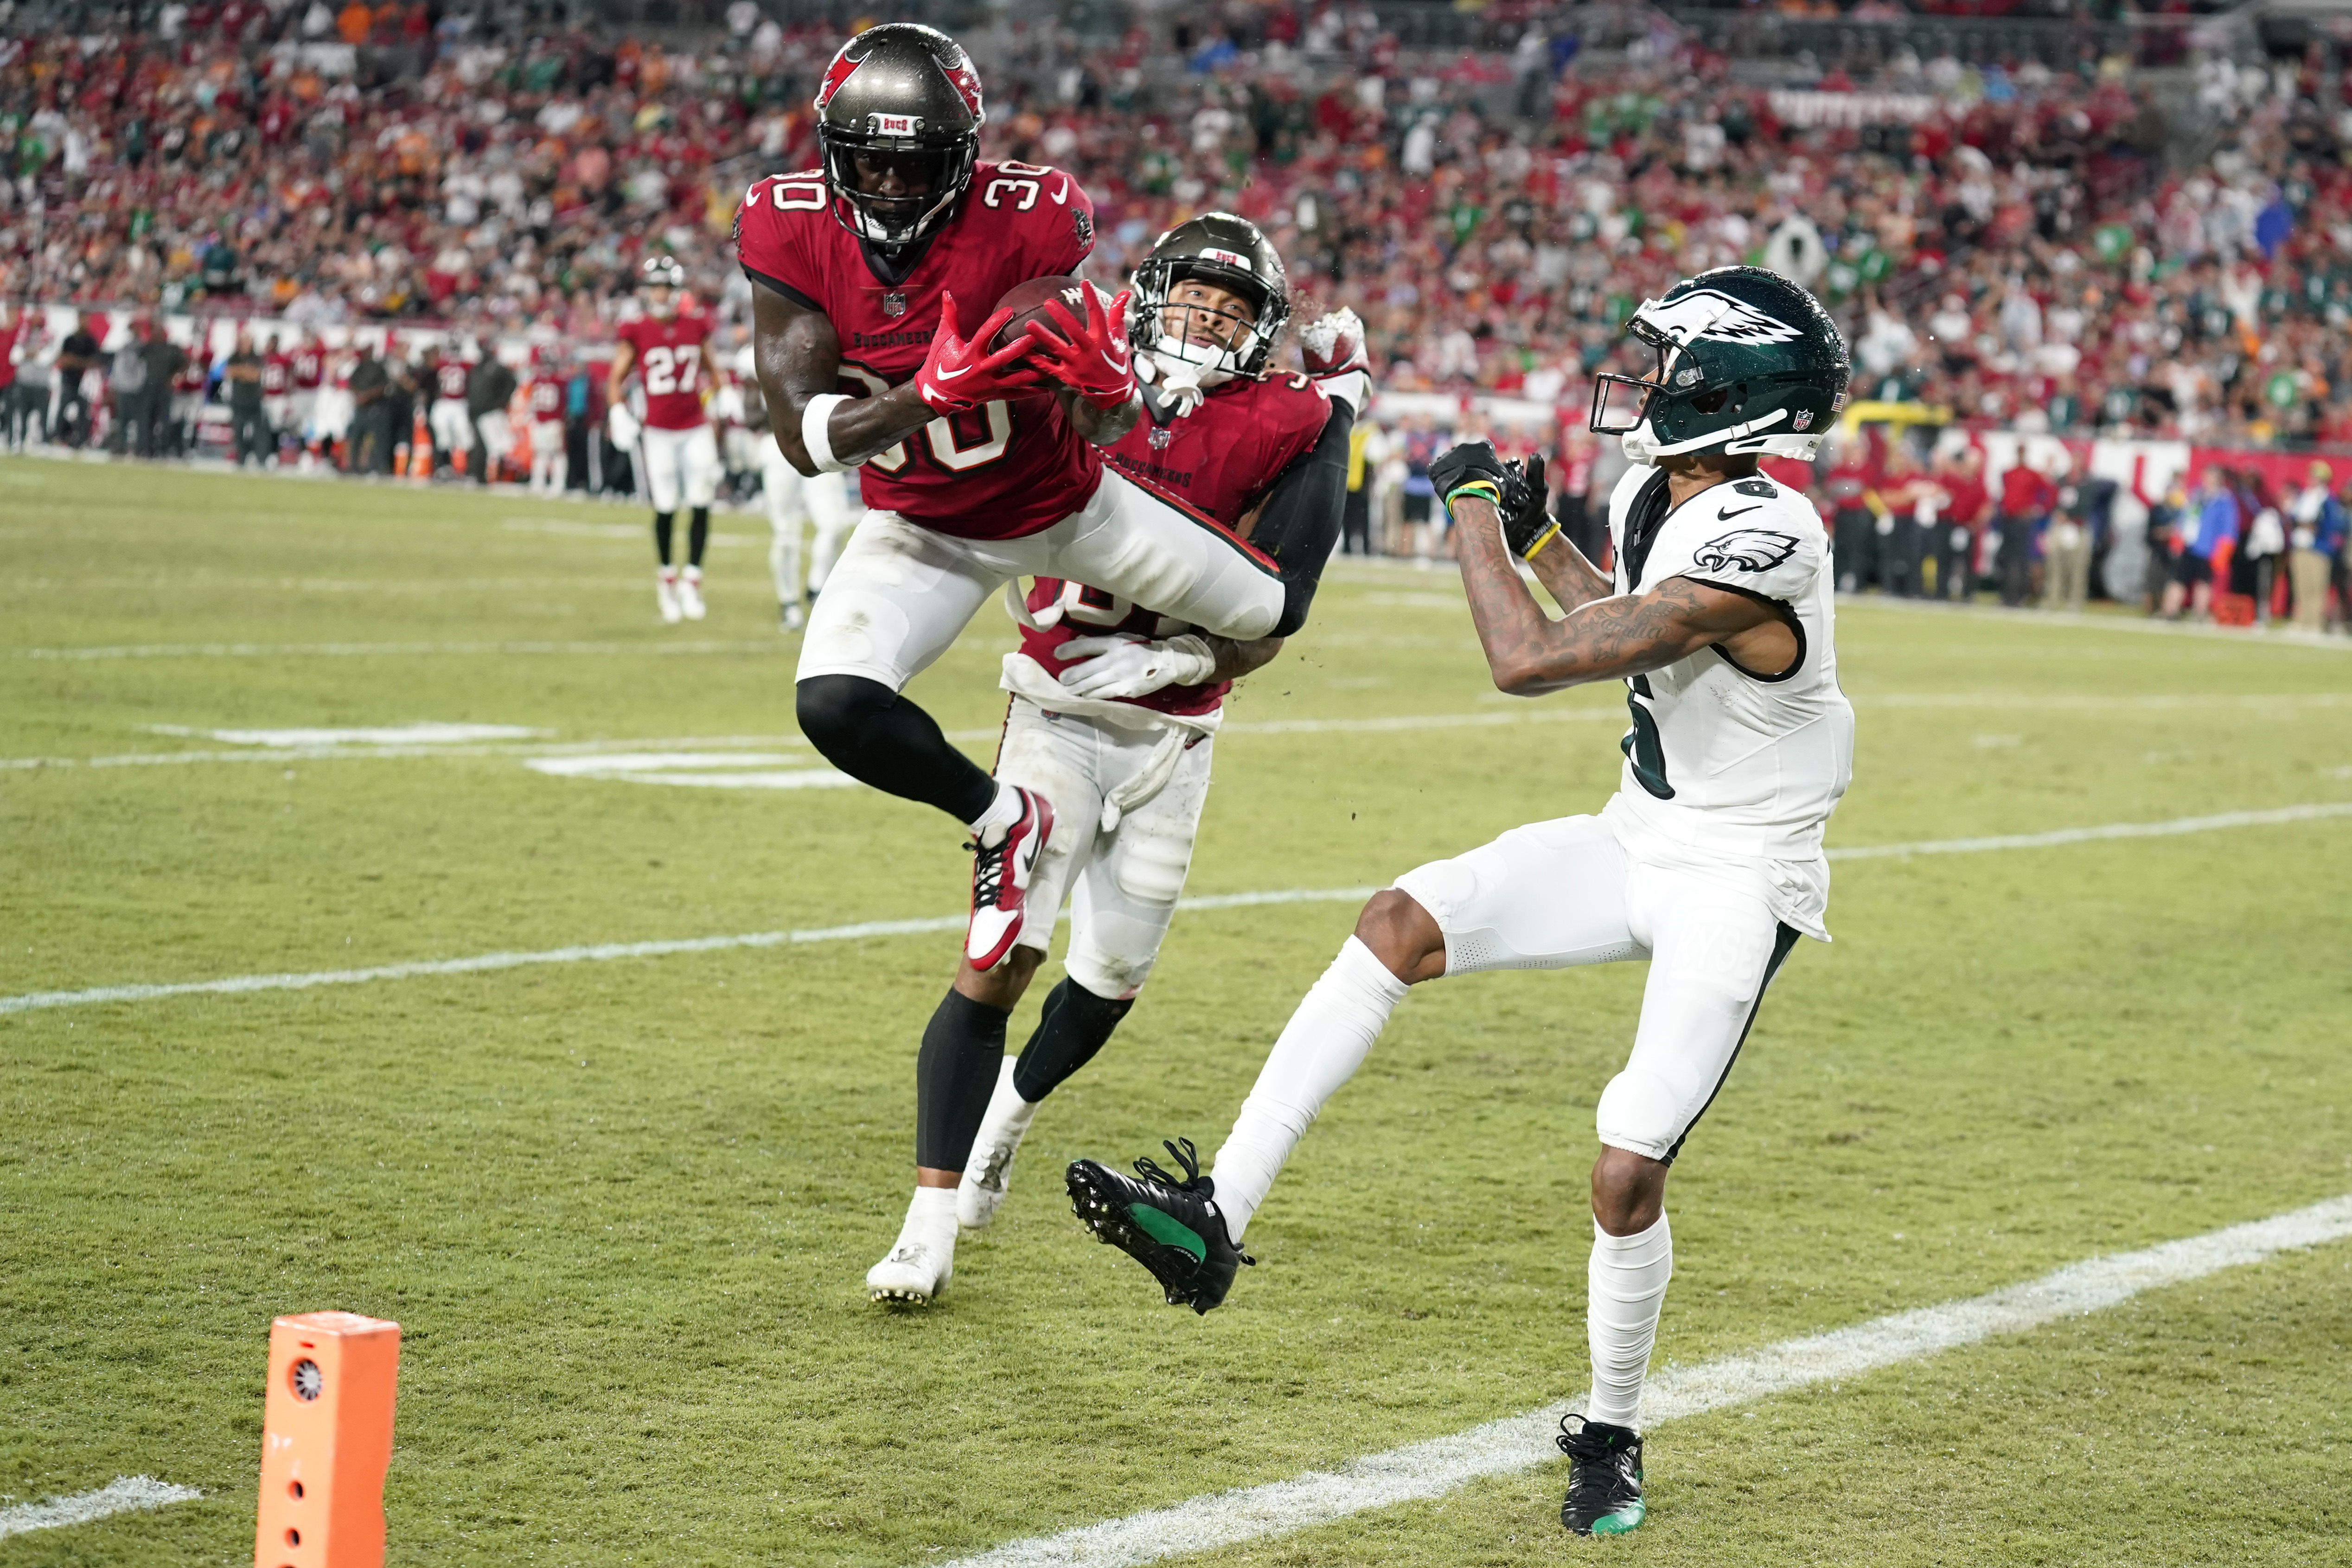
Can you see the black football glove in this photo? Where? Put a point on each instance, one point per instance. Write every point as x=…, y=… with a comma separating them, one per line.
x=1526, y=509
x=1470, y=469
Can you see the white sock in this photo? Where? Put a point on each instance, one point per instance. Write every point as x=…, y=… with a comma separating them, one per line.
x=1008, y=1115
x=931, y=1218
x=1626, y=1285
x=1002, y=811
x=1321, y=1049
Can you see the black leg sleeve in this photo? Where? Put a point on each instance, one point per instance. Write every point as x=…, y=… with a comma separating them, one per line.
x=698, y=535
x=1077, y=1023
x=878, y=737
x=1299, y=525
x=955, y=1072
x=662, y=535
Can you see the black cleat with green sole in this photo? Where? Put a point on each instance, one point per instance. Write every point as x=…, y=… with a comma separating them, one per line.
x=1604, y=1477
x=1172, y=1228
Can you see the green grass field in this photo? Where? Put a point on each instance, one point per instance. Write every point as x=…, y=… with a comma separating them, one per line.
x=623, y=1210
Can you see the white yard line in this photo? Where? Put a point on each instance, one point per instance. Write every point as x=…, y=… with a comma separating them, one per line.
x=382, y=650
x=38, y=1001
x=1418, y=1471
x=124, y=1494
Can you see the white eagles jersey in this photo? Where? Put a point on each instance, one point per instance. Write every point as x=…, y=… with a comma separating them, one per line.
x=1722, y=760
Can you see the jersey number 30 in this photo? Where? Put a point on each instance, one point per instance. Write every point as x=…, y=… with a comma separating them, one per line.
x=946, y=442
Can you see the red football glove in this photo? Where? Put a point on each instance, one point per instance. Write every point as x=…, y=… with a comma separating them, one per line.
x=959, y=374
x=1090, y=358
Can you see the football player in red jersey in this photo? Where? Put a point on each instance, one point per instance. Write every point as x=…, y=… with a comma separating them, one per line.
x=277, y=393
x=543, y=394
x=451, y=426
x=310, y=362
x=976, y=463
x=1116, y=706
x=676, y=451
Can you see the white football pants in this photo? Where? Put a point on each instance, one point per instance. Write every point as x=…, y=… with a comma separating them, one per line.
x=795, y=499
x=452, y=427
x=678, y=464
x=1122, y=884
x=902, y=592
x=550, y=462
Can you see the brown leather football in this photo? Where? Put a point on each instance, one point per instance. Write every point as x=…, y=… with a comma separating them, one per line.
x=1027, y=303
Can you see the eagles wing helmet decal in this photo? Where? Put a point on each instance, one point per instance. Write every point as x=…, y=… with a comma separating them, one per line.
x=1704, y=313
x=1745, y=549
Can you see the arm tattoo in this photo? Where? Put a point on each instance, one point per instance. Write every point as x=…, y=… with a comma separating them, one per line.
x=1624, y=635
x=1568, y=576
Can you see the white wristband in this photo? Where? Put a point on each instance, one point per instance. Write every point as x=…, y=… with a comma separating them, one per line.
x=817, y=437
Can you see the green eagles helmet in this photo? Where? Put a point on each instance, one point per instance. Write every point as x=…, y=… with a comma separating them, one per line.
x=1748, y=362
x=1231, y=253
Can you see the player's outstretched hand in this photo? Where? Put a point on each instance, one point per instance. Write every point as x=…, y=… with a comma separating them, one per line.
x=1525, y=510
x=1091, y=357
x=958, y=373
x=1134, y=666
x=621, y=425
x=1471, y=469
x=1332, y=348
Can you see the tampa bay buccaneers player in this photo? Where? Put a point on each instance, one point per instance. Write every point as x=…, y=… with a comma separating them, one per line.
x=977, y=463
x=677, y=452
x=1115, y=708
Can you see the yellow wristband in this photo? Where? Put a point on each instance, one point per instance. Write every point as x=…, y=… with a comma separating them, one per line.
x=1485, y=489
x=1543, y=539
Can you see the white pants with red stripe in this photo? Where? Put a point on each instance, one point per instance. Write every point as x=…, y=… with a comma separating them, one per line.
x=1122, y=882
x=902, y=592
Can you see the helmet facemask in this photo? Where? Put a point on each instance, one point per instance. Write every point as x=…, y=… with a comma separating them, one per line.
x=1243, y=343
x=931, y=174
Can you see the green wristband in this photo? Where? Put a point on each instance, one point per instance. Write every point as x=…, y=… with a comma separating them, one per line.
x=1486, y=489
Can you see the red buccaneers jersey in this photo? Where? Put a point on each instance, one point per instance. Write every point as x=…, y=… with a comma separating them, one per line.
x=310, y=367
x=546, y=398
x=670, y=367
x=1217, y=463
x=277, y=375
x=997, y=471
x=449, y=379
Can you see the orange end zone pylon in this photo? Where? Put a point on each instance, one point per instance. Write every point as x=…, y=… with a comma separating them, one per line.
x=326, y=1439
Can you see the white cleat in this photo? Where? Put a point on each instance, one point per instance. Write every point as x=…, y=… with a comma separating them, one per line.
x=666, y=596
x=914, y=1271
x=690, y=593
x=791, y=618
x=1001, y=1128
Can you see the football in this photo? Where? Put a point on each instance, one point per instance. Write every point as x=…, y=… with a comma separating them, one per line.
x=1027, y=303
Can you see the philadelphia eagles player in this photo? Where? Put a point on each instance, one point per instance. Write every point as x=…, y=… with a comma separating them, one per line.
x=1707, y=860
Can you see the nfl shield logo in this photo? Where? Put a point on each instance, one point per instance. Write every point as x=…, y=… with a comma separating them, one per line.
x=1803, y=421
x=1160, y=439
x=894, y=304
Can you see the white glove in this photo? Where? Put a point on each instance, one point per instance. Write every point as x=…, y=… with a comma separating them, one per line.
x=1132, y=666
x=1332, y=347
x=621, y=425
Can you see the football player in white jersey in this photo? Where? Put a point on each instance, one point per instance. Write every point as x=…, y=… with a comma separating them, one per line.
x=1707, y=860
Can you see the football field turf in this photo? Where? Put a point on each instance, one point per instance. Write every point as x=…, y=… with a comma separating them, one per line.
x=623, y=1207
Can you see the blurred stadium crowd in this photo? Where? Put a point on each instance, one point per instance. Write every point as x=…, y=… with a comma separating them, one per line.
x=2093, y=249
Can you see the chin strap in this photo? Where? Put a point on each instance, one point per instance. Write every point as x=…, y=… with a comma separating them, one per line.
x=1179, y=382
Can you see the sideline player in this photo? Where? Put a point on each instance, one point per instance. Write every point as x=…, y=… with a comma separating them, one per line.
x=977, y=462
x=451, y=426
x=1707, y=860
x=543, y=396
x=310, y=362
x=1121, y=739
x=677, y=455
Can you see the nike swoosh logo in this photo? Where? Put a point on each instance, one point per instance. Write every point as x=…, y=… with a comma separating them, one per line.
x=951, y=375
x=1727, y=516
x=1063, y=195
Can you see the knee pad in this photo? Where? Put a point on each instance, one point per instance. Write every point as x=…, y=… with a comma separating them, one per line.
x=834, y=710
x=1641, y=1112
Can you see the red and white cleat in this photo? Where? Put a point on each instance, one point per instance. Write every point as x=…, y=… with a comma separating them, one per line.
x=1002, y=862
